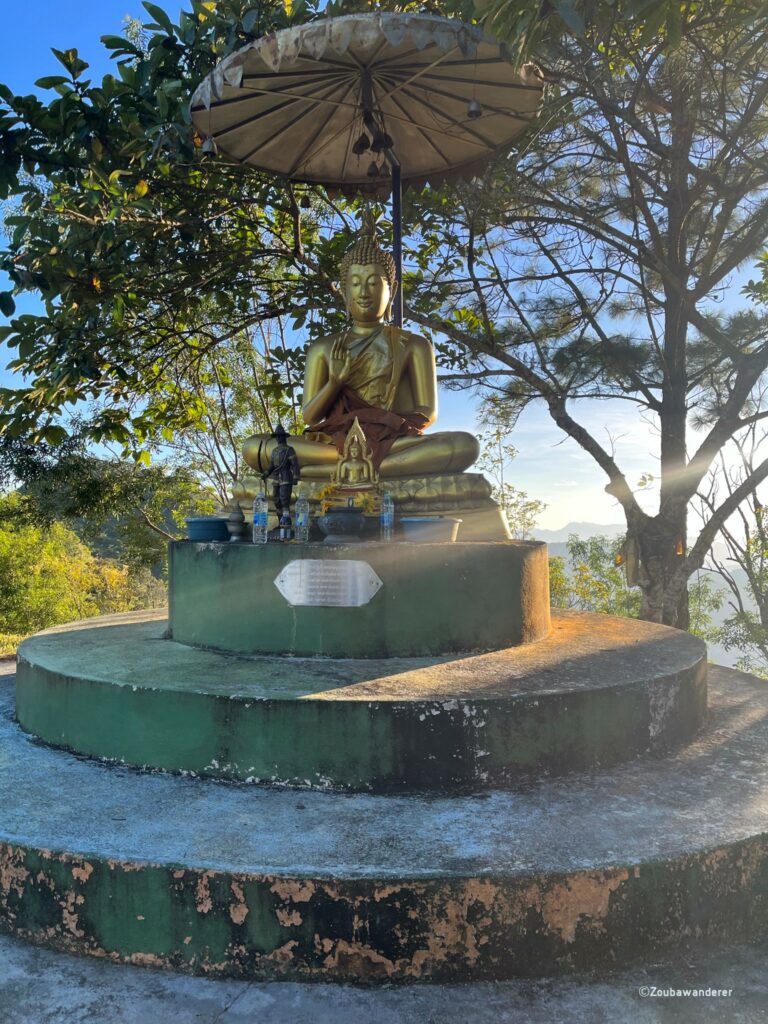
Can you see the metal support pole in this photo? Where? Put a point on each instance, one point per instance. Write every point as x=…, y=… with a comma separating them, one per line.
x=397, y=234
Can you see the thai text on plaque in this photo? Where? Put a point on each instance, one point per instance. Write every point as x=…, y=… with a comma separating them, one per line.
x=328, y=583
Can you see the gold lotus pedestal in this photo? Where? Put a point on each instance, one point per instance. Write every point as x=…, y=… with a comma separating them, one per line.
x=465, y=496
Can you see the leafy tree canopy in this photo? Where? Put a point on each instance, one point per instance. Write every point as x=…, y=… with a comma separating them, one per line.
x=591, y=579
x=535, y=27
x=48, y=576
x=147, y=251
x=121, y=510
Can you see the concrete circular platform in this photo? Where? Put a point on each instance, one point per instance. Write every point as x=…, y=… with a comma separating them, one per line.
x=598, y=691
x=587, y=872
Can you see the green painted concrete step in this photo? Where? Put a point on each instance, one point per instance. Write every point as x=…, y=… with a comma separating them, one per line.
x=599, y=690
x=586, y=872
x=432, y=598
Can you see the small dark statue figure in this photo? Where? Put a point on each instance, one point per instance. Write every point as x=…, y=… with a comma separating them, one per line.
x=284, y=471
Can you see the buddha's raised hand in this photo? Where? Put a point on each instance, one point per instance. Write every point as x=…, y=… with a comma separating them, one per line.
x=339, y=361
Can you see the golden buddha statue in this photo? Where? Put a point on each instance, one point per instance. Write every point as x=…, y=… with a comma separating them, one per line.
x=381, y=375
x=384, y=378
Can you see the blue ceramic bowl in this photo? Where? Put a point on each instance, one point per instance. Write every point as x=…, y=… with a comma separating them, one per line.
x=429, y=529
x=342, y=525
x=207, y=528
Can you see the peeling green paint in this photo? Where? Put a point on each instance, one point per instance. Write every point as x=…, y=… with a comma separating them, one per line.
x=215, y=923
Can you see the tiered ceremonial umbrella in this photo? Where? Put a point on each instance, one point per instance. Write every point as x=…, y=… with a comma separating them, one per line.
x=365, y=102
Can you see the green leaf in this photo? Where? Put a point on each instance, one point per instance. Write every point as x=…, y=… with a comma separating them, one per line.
x=7, y=305
x=70, y=60
x=653, y=23
x=119, y=43
x=571, y=17
x=20, y=231
x=27, y=345
x=636, y=8
x=54, y=434
x=159, y=15
x=250, y=19
x=674, y=25
x=51, y=81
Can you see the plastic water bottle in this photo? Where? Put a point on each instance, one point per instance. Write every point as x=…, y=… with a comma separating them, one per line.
x=301, y=515
x=387, y=517
x=260, y=518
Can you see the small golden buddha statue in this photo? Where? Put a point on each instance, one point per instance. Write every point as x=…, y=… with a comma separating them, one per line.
x=355, y=468
x=382, y=375
x=384, y=378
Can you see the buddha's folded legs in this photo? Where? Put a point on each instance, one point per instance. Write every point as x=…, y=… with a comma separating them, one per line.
x=442, y=452
x=445, y=451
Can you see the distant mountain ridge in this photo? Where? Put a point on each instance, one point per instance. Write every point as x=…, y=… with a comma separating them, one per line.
x=582, y=530
x=586, y=530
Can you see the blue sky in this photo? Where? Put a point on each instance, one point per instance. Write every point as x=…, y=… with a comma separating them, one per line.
x=34, y=27
x=548, y=467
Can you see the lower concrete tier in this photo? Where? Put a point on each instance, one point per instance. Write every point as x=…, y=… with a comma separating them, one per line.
x=599, y=690
x=588, y=872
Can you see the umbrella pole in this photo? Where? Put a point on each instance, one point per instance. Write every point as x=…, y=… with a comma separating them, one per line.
x=397, y=233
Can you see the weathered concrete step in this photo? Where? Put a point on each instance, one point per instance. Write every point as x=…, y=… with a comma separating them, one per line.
x=598, y=691
x=39, y=986
x=590, y=871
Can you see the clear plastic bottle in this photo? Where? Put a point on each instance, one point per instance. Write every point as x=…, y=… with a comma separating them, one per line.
x=301, y=517
x=387, y=517
x=260, y=518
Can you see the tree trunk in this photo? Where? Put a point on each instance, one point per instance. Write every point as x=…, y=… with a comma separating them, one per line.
x=664, y=593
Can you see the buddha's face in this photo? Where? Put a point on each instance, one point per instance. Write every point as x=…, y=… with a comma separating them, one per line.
x=354, y=451
x=367, y=293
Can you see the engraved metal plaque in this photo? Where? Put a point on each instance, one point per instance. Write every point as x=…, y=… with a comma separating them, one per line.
x=328, y=583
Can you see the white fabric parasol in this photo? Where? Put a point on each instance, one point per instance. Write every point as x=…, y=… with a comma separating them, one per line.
x=439, y=95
